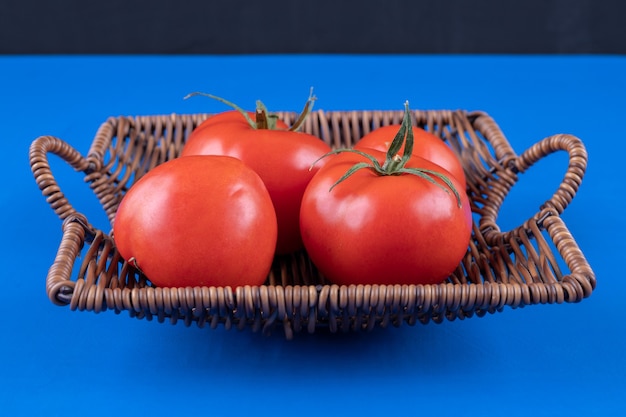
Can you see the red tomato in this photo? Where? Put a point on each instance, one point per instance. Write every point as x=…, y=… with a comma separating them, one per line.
x=426, y=145
x=281, y=157
x=236, y=116
x=198, y=221
x=391, y=229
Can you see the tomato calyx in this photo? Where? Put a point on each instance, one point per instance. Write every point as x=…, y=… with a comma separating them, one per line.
x=394, y=163
x=263, y=118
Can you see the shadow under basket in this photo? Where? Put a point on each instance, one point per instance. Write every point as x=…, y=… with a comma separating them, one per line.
x=537, y=262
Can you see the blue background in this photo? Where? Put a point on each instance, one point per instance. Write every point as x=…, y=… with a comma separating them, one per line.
x=547, y=360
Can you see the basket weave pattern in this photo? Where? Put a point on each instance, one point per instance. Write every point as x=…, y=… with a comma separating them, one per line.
x=513, y=268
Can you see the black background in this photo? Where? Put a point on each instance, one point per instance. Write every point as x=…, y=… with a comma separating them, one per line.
x=312, y=26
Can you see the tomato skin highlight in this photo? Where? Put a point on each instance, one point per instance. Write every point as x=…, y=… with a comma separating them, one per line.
x=371, y=229
x=426, y=145
x=282, y=158
x=198, y=221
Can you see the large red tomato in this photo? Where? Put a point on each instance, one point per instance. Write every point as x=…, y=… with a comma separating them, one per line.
x=281, y=157
x=198, y=221
x=389, y=229
x=426, y=145
x=381, y=218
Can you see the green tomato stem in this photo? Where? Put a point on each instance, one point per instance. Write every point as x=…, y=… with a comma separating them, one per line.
x=244, y=113
x=263, y=118
x=395, y=164
x=308, y=107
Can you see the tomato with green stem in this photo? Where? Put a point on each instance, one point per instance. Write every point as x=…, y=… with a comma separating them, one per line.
x=425, y=145
x=198, y=221
x=281, y=155
x=369, y=217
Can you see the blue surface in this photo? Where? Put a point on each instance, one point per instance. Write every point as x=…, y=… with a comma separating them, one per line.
x=549, y=360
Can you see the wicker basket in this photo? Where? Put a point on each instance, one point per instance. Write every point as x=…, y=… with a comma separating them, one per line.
x=519, y=267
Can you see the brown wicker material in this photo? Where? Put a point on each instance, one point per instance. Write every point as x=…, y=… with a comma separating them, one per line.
x=512, y=268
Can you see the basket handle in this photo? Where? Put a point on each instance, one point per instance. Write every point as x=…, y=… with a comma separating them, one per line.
x=59, y=285
x=40, y=167
x=554, y=205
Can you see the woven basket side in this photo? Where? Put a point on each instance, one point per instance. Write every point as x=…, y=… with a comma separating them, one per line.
x=522, y=274
x=125, y=148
